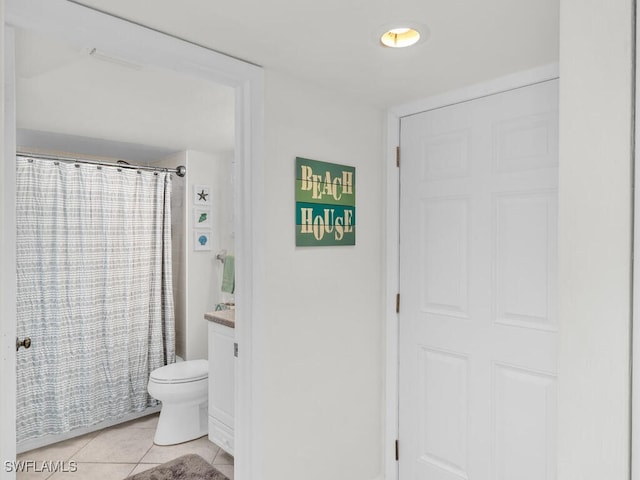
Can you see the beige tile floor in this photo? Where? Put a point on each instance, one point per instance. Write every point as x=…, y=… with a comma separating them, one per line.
x=117, y=452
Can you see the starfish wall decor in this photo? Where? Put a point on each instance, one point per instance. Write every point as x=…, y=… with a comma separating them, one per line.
x=202, y=194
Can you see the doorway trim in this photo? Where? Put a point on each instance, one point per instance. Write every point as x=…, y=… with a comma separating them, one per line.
x=77, y=23
x=634, y=413
x=394, y=116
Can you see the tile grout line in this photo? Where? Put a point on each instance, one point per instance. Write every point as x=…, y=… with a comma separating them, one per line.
x=144, y=455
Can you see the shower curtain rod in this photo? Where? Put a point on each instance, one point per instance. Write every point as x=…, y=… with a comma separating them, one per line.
x=180, y=170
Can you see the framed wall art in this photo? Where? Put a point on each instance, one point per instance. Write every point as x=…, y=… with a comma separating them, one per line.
x=325, y=204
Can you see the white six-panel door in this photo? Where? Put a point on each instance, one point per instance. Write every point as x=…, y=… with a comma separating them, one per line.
x=478, y=228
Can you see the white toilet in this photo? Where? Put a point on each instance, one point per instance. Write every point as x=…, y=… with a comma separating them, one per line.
x=182, y=387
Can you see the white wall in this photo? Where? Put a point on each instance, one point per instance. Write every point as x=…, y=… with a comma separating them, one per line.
x=197, y=275
x=204, y=272
x=7, y=287
x=595, y=239
x=323, y=368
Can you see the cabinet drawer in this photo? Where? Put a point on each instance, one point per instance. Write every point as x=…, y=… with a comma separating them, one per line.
x=221, y=435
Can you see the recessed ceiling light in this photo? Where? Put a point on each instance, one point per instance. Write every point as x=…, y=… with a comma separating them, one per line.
x=400, y=35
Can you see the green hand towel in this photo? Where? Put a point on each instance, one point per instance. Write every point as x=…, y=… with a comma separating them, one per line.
x=228, y=275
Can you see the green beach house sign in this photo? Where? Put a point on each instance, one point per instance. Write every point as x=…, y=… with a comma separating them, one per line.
x=325, y=204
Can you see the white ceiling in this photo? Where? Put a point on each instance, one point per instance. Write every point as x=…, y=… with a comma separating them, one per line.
x=332, y=43
x=144, y=113
x=329, y=43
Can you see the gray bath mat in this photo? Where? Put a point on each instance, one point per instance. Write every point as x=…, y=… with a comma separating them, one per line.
x=187, y=467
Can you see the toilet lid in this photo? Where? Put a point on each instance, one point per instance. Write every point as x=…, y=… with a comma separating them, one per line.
x=181, y=372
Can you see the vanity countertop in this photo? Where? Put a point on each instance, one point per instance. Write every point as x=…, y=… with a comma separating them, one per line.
x=223, y=317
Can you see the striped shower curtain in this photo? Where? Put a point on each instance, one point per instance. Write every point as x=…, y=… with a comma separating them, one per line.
x=94, y=292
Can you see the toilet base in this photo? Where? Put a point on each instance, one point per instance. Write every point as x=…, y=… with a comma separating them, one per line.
x=180, y=423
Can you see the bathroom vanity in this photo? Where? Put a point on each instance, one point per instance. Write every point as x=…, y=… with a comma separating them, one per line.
x=222, y=368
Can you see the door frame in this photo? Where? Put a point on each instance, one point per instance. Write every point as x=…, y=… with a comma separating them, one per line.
x=392, y=260
x=61, y=18
x=635, y=271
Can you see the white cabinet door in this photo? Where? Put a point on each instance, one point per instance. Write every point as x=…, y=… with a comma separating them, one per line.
x=221, y=385
x=478, y=288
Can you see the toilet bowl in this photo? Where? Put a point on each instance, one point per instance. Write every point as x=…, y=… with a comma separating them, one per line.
x=182, y=387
